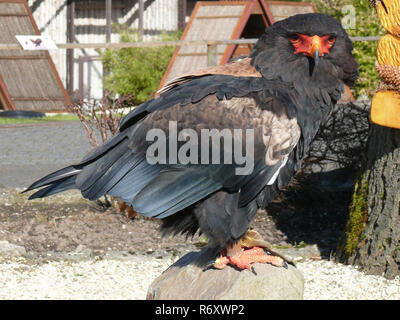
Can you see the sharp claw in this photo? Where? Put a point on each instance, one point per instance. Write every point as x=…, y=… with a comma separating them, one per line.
x=221, y=262
x=208, y=266
x=285, y=265
x=253, y=270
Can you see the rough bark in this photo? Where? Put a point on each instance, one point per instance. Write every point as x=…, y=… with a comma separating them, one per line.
x=371, y=239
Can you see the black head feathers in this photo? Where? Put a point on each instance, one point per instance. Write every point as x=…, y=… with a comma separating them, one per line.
x=276, y=58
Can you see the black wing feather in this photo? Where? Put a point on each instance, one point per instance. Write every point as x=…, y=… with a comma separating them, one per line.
x=119, y=167
x=169, y=188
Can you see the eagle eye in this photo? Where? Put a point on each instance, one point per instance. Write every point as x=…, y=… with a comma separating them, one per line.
x=294, y=38
x=331, y=40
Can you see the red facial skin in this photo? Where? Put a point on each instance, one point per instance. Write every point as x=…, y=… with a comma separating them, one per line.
x=309, y=44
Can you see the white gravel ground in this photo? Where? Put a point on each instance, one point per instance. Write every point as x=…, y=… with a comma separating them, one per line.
x=326, y=280
x=129, y=279
x=97, y=279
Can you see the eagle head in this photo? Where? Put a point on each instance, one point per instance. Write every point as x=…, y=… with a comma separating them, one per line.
x=313, y=48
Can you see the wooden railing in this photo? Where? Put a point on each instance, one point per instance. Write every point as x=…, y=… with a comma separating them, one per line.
x=179, y=43
x=211, y=45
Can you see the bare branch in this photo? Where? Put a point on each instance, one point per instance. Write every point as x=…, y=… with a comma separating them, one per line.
x=341, y=141
x=101, y=117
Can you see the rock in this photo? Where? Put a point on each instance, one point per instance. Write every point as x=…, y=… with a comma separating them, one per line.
x=184, y=280
x=300, y=254
x=82, y=252
x=80, y=248
x=11, y=250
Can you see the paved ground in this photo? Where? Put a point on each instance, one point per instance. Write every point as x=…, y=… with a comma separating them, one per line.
x=28, y=152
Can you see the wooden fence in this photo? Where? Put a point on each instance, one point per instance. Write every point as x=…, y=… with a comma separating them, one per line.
x=179, y=43
x=211, y=45
x=212, y=59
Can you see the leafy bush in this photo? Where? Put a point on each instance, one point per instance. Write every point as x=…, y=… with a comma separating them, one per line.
x=136, y=71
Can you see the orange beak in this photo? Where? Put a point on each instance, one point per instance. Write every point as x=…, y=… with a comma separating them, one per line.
x=316, y=48
x=311, y=46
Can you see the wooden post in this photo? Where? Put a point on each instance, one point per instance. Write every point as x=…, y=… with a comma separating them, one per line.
x=182, y=11
x=81, y=74
x=108, y=20
x=5, y=98
x=212, y=59
x=141, y=14
x=108, y=33
x=71, y=39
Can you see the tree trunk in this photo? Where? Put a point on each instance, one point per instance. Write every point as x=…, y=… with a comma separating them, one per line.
x=371, y=238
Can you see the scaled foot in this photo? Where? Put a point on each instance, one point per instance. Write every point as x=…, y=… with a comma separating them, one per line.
x=251, y=248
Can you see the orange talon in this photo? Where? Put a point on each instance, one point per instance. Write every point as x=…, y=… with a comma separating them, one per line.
x=221, y=262
x=245, y=259
x=251, y=248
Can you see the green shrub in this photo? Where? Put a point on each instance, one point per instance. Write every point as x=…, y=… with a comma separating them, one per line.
x=136, y=71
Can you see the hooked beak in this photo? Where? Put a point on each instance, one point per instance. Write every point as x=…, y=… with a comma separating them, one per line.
x=315, y=49
x=316, y=57
x=315, y=52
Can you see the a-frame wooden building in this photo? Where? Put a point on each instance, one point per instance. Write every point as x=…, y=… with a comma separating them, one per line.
x=28, y=79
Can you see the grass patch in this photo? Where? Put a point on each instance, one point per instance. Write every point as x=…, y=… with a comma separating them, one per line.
x=58, y=117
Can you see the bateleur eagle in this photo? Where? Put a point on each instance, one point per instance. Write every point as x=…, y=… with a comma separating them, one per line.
x=283, y=91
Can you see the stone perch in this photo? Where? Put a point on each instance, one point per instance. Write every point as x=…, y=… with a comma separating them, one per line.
x=185, y=281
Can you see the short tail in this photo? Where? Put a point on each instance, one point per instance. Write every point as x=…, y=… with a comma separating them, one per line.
x=61, y=180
